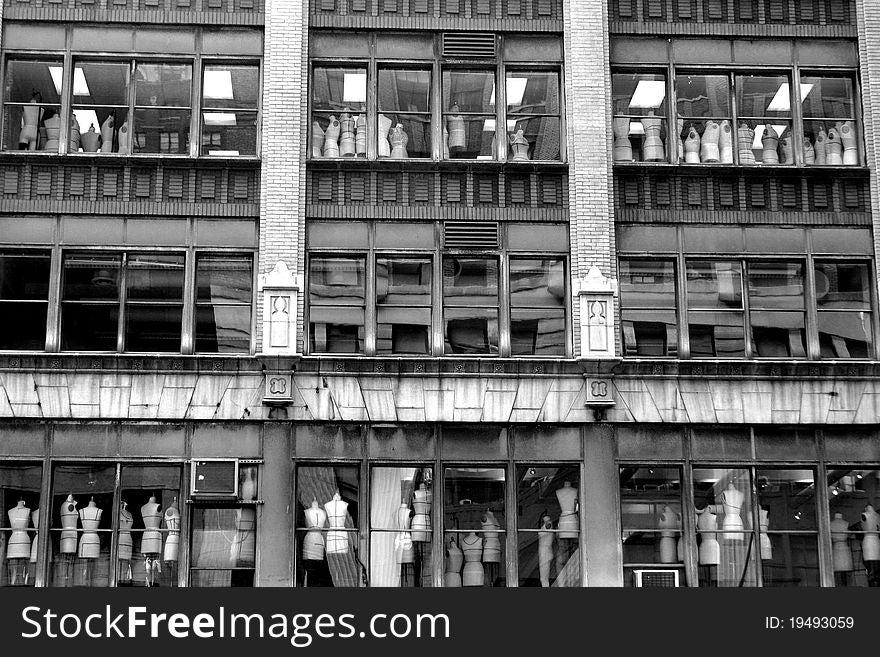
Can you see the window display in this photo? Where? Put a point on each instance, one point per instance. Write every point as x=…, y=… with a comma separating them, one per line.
x=162, y=109
x=339, y=106
x=705, y=133
x=533, y=115
x=831, y=135
x=32, y=105
x=548, y=522
x=404, y=114
x=639, y=123
x=20, y=520
x=764, y=133
x=230, y=95
x=855, y=525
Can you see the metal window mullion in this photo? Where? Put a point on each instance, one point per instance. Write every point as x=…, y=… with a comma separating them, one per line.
x=734, y=111
x=672, y=134
x=755, y=530
x=688, y=521
x=438, y=304
x=122, y=298
x=811, y=314
x=185, y=517
x=187, y=345
x=53, y=311
x=66, y=111
x=132, y=97
x=510, y=516
x=502, y=306
x=372, y=106
x=370, y=313
x=196, y=74
x=684, y=346
x=43, y=543
x=437, y=515
x=114, y=527
x=500, y=111
x=363, y=526
x=823, y=529
x=436, y=112
x=797, y=119
x=747, y=310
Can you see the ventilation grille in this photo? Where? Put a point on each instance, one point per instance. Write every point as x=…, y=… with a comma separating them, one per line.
x=468, y=44
x=656, y=578
x=467, y=235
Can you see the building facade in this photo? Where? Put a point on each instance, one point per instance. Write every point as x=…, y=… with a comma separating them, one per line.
x=439, y=293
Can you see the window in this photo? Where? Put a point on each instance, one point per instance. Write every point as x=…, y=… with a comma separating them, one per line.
x=24, y=295
x=402, y=103
x=769, y=304
x=372, y=290
x=224, y=295
x=854, y=525
x=20, y=485
x=729, y=117
x=130, y=106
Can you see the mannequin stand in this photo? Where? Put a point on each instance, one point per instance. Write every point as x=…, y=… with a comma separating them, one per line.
x=18, y=572
x=708, y=576
x=152, y=565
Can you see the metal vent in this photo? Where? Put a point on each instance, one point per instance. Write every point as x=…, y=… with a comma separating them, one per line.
x=468, y=235
x=468, y=44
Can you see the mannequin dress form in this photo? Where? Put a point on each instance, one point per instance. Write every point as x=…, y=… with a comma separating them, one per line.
x=360, y=139
x=89, y=541
x=151, y=539
x=456, y=128
x=125, y=546
x=337, y=512
x=35, y=521
x=421, y=522
x=732, y=524
x=653, y=149
x=841, y=553
x=809, y=152
x=820, y=146
x=745, y=137
x=850, y=144
x=519, y=146
x=317, y=140
x=90, y=140
x=30, y=123
x=107, y=129
x=331, y=138
x=18, y=547
x=384, y=146
x=709, y=147
x=871, y=544
x=770, y=143
x=725, y=142
x=399, y=140
x=454, y=561
x=669, y=524
x=692, y=146
x=710, y=550
x=545, y=550
x=172, y=540
x=313, y=542
x=787, y=150
x=833, y=148
x=623, y=151
x=472, y=547
x=347, y=147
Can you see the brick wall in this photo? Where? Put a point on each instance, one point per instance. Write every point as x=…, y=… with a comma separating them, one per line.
x=282, y=203
x=588, y=114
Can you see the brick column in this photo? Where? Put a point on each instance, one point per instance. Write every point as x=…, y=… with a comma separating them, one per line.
x=283, y=173
x=868, y=17
x=588, y=114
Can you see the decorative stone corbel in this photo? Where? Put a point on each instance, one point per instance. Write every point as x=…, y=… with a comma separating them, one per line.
x=595, y=293
x=279, y=288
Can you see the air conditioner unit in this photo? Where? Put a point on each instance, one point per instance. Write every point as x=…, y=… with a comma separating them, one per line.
x=666, y=578
x=214, y=478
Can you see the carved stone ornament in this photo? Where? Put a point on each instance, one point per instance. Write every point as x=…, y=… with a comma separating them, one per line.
x=595, y=293
x=280, y=288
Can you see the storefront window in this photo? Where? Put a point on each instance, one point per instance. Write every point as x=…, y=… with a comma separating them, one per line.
x=327, y=545
x=224, y=294
x=727, y=554
x=651, y=522
x=162, y=108
x=474, y=526
x=548, y=525
x=24, y=294
x=230, y=95
x=404, y=116
x=469, y=114
x=81, y=533
x=470, y=304
x=639, y=123
x=223, y=546
x=764, y=132
x=647, y=300
x=337, y=293
x=533, y=115
x=339, y=107
x=787, y=528
x=855, y=525
x=401, y=502
x=705, y=133
x=32, y=105
x=20, y=503
x=715, y=309
x=831, y=135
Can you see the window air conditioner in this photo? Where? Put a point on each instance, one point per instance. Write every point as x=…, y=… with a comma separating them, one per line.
x=214, y=478
x=660, y=578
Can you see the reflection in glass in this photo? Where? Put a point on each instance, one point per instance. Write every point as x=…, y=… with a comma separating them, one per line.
x=712, y=333
x=222, y=547
x=647, y=299
x=537, y=316
x=639, y=103
x=162, y=114
x=401, y=499
x=339, y=122
x=19, y=521
x=855, y=525
x=776, y=285
x=336, y=300
x=469, y=114
x=651, y=507
x=223, y=303
x=831, y=133
x=403, y=298
x=704, y=97
x=404, y=99
x=90, y=302
x=24, y=294
x=549, y=525
x=231, y=93
x=474, y=522
x=533, y=111
x=764, y=133
x=326, y=527
x=32, y=105
x=726, y=550
x=470, y=300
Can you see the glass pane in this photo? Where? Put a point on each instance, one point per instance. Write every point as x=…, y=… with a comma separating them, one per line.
x=843, y=285
x=842, y=240
x=89, y=327
x=469, y=137
x=776, y=285
x=725, y=557
x=20, y=506
x=778, y=335
x=533, y=92
x=336, y=281
x=763, y=96
x=345, y=135
x=24, y=276
x=474, y=520
x=716, y=335
x=163, y=85
x=537, y=237
x=789, y=560
x=638, y=94
x=845, y=334
x=161, y=131
x=224, y=279
x=647, y=284
x=336, y=330
x=88, y=277
x=468, y=91
x=80, y=530
x=705, y=141
x=787, y=500
x=537, y=332
x=703, y=96
x=537, y=282
x=339, y=89
x=229, y=133
x=149, y=526
x=403, y=281
x=855, y=526
x=326, y=512
x=153, y=328
x=714, y=284
x=37, y=86
x=471, y=330
x=101, y=130
x=28, y=331
x=651, y=507
x=223, y=540
x=35, y=82
x=762, y=141
x=403, y=330
x=404, y=91
x=401, y=500
x=223, y=329
x=533, y=138
x=231, y=87
x=155, y=277
x=401, y=136
x=101, y=83
x=549, y=524
x=649, y=332
x=826, y=97
x=470, y=281
x=833, y=143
